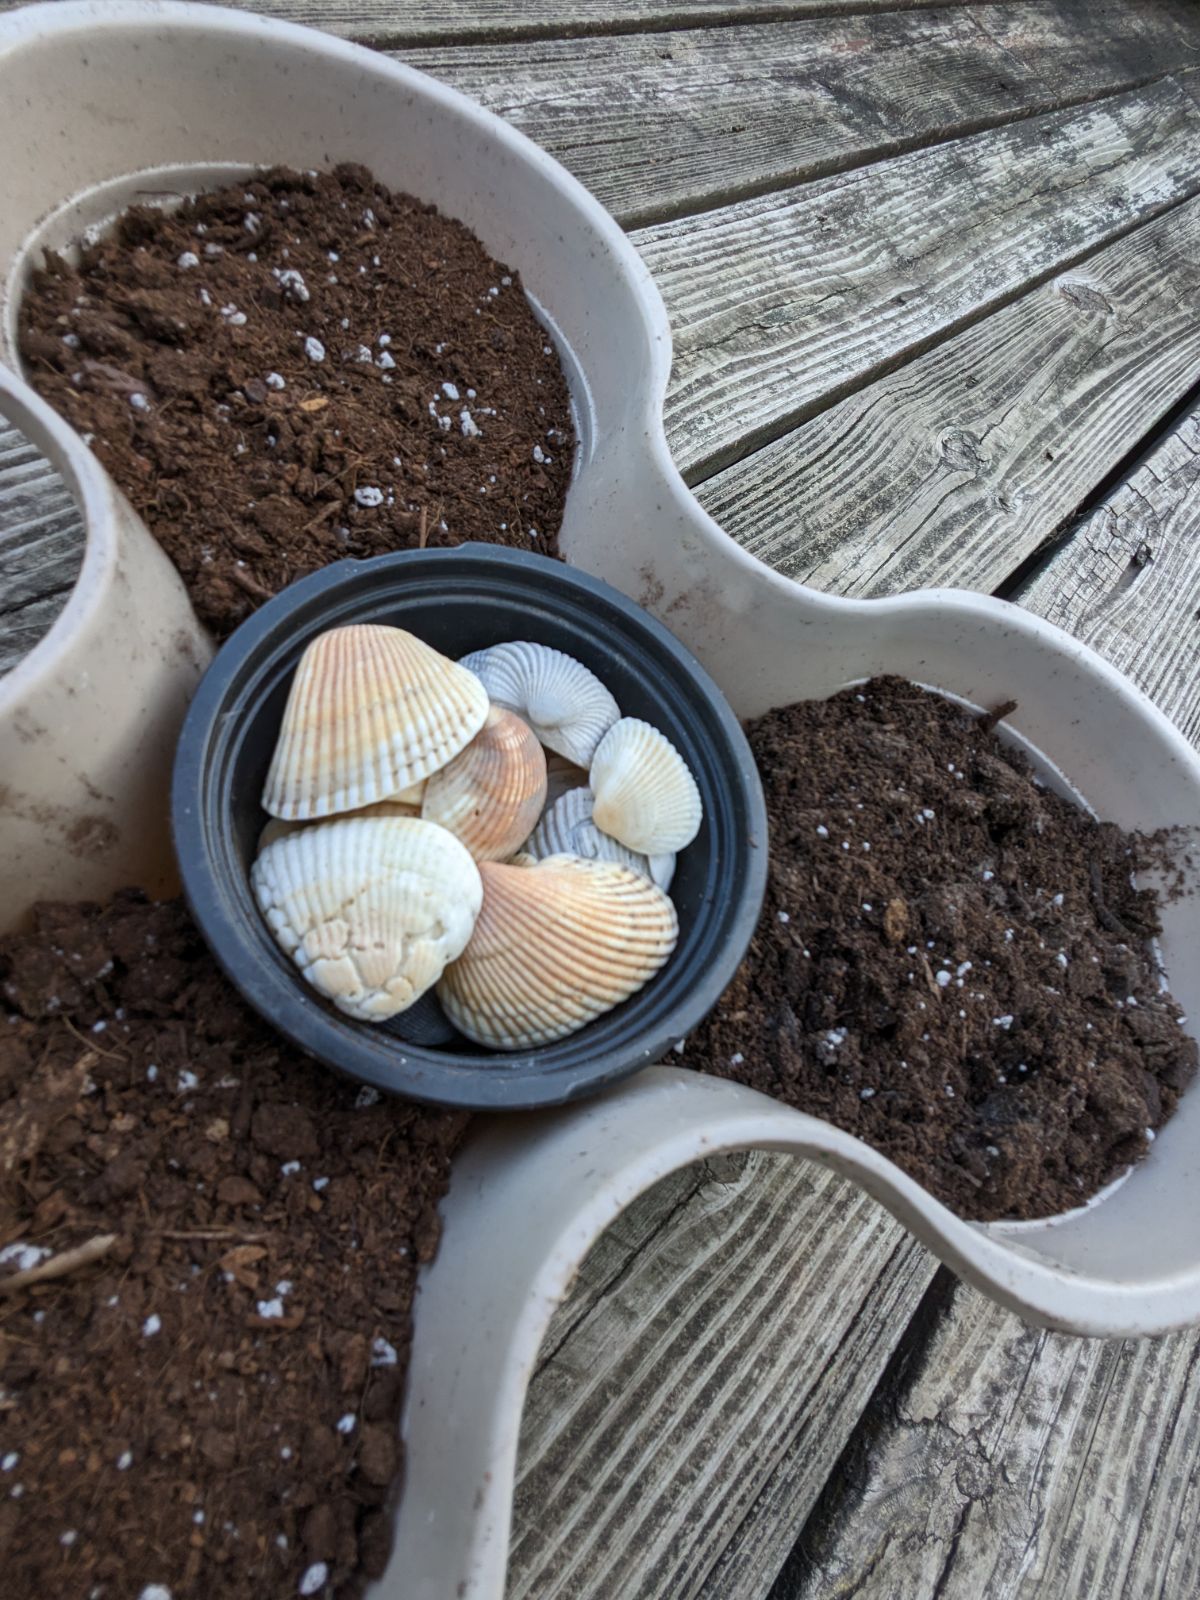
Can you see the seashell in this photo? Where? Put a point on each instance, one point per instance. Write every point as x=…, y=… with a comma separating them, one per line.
x=555, y=946
x=412, y=796
x=371, y=711
x=491, y=793
x=561, y=776
x=567, y=828
x=369, y=908
x=645, y=795
x=567, y=706
x=276, y=828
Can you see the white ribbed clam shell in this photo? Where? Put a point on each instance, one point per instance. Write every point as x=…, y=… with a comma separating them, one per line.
x=491, y=793
x=567, y=828
x=556, y=945
x=564, y=703
x=645, y=795
x=369, y=908
x=371, y=711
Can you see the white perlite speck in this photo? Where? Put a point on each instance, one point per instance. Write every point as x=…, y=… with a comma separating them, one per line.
x=152, y=1325
x=125, y=1461
x=288, y=1168
x=314, y=349
x=292, y=284
x=539, y=455
x=10, y=1461
x=270, y=1309
x=346, y=1424
x=187, y=260
x=275, y=381
x=943, y=978
x=368, y=495
x=23, y=1256
x=155, y=1591
x=187, y=1082
x=314, y=1578
x=450, y=391
x=469, y=427
x=383, y=1354
x=386, y=361
x=139, y=402
x=1005, y=1022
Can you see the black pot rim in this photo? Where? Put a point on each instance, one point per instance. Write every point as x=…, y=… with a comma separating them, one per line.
x=203, y=828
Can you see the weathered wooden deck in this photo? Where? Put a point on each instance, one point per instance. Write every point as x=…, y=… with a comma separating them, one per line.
x=934, y=276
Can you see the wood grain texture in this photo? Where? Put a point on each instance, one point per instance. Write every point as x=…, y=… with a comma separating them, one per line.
x=1010, y=1462
x=732, y=1331
x=955, y=468
x=41, y=546
x=783, y=304
x=1128, y=580
x=660, y=125
x=393, y=22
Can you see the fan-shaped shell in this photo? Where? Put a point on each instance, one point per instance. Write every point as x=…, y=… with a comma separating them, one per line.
x=276, y=828
x=567, y=828
x=371, y=711
x=556, y=945
x=645, y=795
x=492, y=793
x=369, y=908
x=564, y=703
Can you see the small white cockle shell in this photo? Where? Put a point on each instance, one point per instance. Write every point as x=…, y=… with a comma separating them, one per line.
x=645, y=795
x=564, y=703
x=567, y=828
x=369, y=908
x=371, y=711
x=556, y=945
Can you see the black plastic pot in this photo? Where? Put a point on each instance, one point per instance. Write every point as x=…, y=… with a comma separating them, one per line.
x=462, y=600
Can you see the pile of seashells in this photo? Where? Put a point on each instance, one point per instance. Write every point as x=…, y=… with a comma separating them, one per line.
x=421, y=836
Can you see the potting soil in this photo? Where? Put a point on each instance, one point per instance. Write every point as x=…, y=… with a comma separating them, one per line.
x=952, y=962
x=303, y=367
x=211, y=1406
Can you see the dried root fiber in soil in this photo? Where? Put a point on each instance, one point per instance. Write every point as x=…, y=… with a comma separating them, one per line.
x=952, y=961
x=302, y=367
x=213, y=1405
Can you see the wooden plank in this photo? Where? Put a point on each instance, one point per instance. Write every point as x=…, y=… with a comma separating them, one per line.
x=1128, y=581
x=1016, y=1463
x=664, y=124
x=392, y=22
x=734, y=1344
x=782, y=304
x=41, y=546
x=955, y=468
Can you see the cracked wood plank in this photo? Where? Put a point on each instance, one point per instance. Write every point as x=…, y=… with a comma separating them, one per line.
x=723, y=1337
x=959, y=465
x=41, y=546
x=658, y=125
x=782, y=304
x=1128, y=580
x=1007, y=1462
x=393, y=22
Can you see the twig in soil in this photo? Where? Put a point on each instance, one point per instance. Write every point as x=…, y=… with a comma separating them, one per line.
x=91, y=1045
x=1104, y=916
x=251, y=585
x=989, y=719
x=58, y=1266
x=322, y=516
x=208, y=1233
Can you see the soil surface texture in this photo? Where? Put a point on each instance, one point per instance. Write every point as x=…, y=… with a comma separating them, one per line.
x=212, y=1406
x=952, y=962
x=299, y=368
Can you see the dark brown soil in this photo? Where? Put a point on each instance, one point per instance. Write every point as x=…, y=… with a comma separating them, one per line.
x=182, y=349
x=952, y=962
x=213, y=1406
